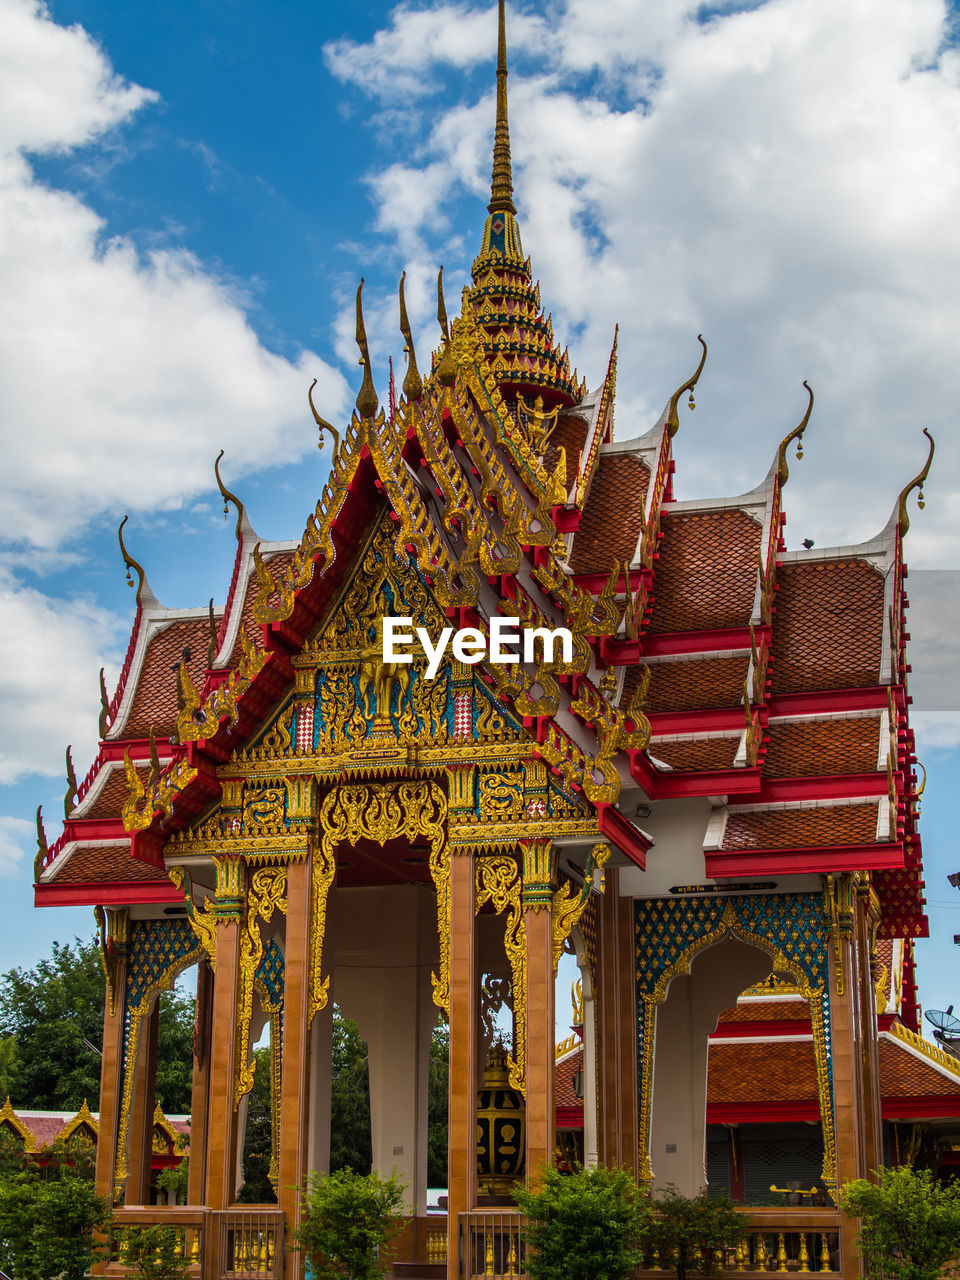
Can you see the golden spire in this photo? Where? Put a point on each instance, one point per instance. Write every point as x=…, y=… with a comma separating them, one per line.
x=501, y=186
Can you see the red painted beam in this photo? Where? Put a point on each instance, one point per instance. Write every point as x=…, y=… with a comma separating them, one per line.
x=762, y=1112
x=836, y=786
x=720, y=639
x=721, y=718
x=107, y=893
x=623, y=834
x=723, y=863
x=773, y=1027
x=830, y=701
x=946, y=1105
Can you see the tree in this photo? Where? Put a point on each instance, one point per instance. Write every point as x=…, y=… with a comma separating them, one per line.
x=52, y=1009
x=350, y=1220
x=688, y=1231
x=437, y=1101
x=49, y=1214
x=909, y=1226
x=350, y=1144
x=585, y=1225
x=257, y=1146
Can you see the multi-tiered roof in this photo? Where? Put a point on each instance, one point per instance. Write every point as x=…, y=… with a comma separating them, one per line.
x=708, y=660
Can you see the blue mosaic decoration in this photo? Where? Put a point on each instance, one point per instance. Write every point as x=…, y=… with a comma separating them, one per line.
x=270, y=974
x=791, y=928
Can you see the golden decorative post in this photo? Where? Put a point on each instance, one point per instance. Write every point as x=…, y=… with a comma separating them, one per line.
x=539, y=875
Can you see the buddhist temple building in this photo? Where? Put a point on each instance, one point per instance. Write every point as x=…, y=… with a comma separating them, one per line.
x=696, y=774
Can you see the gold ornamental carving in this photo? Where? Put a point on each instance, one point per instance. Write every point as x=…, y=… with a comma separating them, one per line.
x=568, y=903
x=113, y=937
x=500, y=883
x=382, y=811
x=267, y=893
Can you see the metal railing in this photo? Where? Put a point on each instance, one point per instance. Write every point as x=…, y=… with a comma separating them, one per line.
x=249, y=1243
x=227, y=1244
x=490, y=1244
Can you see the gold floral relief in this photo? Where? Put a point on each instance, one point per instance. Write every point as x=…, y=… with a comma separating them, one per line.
x=267, y=893
x=500, y=883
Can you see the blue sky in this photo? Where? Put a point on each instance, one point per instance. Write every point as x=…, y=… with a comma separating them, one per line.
x=189, y=193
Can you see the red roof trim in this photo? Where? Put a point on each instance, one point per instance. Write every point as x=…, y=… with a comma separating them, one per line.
x=105, y=893
x=761, y=1112
x=853, y=857
x=626, y=837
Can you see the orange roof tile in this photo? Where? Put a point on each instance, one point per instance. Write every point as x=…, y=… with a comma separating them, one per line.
x=110, y=799
x=155, y=700
x=902, y=1075
x=706, y=575
x=767, y=1011
x=277, y=564
x=768, y=1072
x=697, y=753
x=570, y=433
x=691, y=684
x=107, y=863
x=563, y=1074
x=783, y=828
x=828, y=629
x=613, y=515
x=801, y=748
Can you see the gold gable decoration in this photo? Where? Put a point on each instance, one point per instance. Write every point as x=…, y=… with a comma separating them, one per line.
x=11, y=1122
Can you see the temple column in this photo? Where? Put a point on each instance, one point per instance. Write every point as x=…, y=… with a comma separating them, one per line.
x=140, y=1139
x=846, y=1069
x=116, y=942
x=321, y=1080
x=200, y=1093
x=295, y=1078
x=221, y=1150
x=873, y=1123
x=464, y=1011
x=539, y=876
x=617, y=1027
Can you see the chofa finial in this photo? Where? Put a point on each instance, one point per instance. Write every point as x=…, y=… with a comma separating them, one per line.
x=916, y=483
x=673, y=421
x=446, y=369
x=783, y=471
x=228, y=496
x=132, y=565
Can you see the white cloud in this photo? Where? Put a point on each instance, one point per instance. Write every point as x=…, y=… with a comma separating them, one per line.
x=780, y=177
x=16, y=835
x=50, y=652
x=120, y=376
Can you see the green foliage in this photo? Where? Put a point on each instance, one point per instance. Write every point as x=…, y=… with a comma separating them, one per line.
x=585, y=1225
x=350, y=1145
x=437, y=1100
x=687, y=1230
x=51, y=1009
x=350, y=1220
x=909, y=1226
x=8, y=1064
x=174, y=1181
x=153, y=1253
x=257, y=1187
x=48, y=1217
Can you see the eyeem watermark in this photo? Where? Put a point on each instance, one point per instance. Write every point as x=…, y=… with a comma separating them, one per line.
x=470, y=645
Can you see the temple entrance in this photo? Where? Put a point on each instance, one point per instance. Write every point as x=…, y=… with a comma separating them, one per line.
x=685, y=1020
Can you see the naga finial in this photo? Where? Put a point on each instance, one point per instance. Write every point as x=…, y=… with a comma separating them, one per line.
x=412, y=382
x=228, y=496
x=367, y=402
x=212, y=633
x=322, y=423
x=132, y=565
x=915, y=483
x=104, y=724
x=154, y=759
x=501, y=183
x=783, y=471
x=673, y=422
x=71, y=792
x=447, y=368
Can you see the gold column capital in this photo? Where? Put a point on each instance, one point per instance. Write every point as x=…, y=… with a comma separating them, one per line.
x=231, y=886
x=539, y=873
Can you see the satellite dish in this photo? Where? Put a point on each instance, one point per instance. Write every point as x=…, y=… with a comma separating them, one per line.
x=946, y=1026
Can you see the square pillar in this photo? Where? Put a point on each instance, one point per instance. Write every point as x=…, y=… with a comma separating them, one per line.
x=140, y=1136
x=200, y=1093
x=296, y=1074
x=617, y=1030
x=464, y=1011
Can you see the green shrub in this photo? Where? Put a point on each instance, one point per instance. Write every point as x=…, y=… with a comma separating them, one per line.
x=585, y=1225
x=350, y=1220
x=687, y=1231
x=48, y=1218
x=909, y=1226
x=154, y=1253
